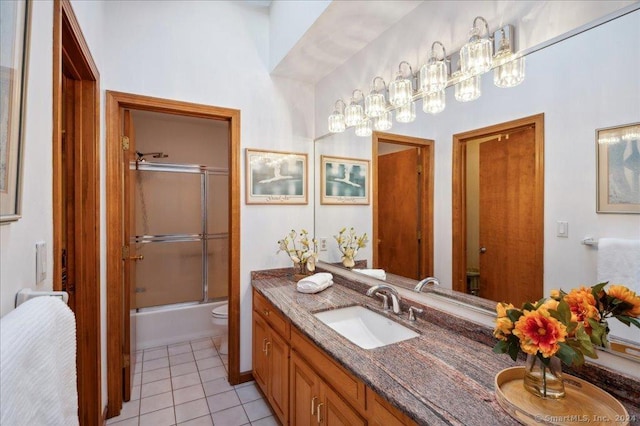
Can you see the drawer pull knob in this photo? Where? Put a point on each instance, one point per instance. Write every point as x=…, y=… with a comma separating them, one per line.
x=264, y=344
x=319, y=413
x=266, y=349
x=266, y=312
x=313, y=405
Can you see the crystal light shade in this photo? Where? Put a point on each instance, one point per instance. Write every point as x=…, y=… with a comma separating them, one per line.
x=400, y=91
x=406, y=113
x=476, y=57
x=433, y=74
x=509, y=74
x=383, y=122
x=468, y=89
x=336, y=122
x=433, y=77
x=434, y=102
x=353, y=114
x=374, y=104
x=363, y=128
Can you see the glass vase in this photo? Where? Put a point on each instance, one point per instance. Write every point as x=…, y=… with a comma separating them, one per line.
x=544, y=381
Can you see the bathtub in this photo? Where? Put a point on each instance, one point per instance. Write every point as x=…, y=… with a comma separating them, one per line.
x=166, y=326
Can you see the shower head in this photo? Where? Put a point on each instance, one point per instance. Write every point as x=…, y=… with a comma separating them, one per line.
x=141, y=155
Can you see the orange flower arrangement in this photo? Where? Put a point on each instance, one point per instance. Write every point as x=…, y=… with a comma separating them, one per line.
x=567, y=325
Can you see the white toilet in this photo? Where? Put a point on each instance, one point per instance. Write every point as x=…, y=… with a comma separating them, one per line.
x=220, y=318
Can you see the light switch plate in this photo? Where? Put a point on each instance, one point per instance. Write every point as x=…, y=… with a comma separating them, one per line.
x=41, y=261
x=562, y=229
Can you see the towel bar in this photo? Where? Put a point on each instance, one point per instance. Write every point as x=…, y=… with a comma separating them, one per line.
x=27, y=293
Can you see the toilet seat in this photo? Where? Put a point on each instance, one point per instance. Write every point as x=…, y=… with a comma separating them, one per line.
x=221, y=311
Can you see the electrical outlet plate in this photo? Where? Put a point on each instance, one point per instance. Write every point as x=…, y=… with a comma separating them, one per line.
x=323, y=243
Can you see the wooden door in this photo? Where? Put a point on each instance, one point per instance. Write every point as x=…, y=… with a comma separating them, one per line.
x=129, y=255
x=509, y=269
x=260, y=366
x=399, y=189
x=335, y=412
x=305, y=393
x=278, y=354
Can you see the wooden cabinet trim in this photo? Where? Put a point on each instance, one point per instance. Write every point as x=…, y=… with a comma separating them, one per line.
x=350, y=388
x=271, y=315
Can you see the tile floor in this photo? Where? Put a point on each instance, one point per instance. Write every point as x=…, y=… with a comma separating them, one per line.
x=186, y=384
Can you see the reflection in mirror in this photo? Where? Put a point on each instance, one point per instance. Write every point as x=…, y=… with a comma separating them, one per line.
x=583, y=83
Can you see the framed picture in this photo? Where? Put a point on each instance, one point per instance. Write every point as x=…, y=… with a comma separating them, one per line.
x=14, y=16
x=344, y=180
x=276, y=177
x=618, y=157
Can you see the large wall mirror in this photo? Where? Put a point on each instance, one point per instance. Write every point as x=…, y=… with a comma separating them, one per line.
x=575, y=86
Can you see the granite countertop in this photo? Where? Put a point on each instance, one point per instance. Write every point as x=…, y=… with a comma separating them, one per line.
x=445, y=376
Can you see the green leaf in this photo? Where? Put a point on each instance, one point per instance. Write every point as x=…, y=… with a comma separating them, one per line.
x=567, y=354
x=514, y=314
x=575, y=345
x=585, y=341
x=565, y=311
x=598, y=332
x=528, y=306
x=514, y=348
x=628, y=320
x=596, y=289
x=501, y=347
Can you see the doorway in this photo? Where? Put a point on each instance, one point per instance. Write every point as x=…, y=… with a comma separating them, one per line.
x=120, y=257
x=498, y=211
x=402, y=205
x=76, y=199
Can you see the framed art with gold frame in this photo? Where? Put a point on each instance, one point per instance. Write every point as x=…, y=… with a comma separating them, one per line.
x=618, y=169
x=14, y=16
x=344, y=181
x=275, y=177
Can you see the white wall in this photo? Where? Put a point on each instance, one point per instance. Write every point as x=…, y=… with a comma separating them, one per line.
x=579, y=91
x=18, y=239
x=215, y=53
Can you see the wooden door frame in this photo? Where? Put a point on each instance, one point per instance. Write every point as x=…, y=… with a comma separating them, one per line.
x=459, y=210
x=427, y=199
x=71, y=51
x=116, y=101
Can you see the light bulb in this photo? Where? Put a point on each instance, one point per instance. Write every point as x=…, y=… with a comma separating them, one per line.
x=434, y=102
x=468, y=89
x=406, y=113
x=383, y=122
x=363, y=128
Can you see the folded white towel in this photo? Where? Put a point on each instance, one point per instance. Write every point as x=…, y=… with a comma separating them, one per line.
x=315, y=283
x=38, y=364
x=619, y=263
x=375, y=273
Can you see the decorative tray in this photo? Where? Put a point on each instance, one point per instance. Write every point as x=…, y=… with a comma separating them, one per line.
x=583, y=403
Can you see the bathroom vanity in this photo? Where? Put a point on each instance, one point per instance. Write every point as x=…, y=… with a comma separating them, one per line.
x=310, y=374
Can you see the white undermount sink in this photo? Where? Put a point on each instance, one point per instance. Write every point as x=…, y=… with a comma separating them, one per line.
x=364, y=327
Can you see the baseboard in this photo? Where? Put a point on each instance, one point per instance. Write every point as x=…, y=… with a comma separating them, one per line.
x=246, y=376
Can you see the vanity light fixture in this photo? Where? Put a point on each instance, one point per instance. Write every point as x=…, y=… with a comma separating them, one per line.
x=406, y=113
x=336, y=119
x=476, y=57
x=401, y=89
x=363, y=128
x=353, y=114
x=468, y=89
x=434, y=102
x=434, y=75
x=383, y=122
x=510, y=69
x=375, y=104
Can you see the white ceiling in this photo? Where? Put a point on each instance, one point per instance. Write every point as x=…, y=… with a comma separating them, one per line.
x=342, y=30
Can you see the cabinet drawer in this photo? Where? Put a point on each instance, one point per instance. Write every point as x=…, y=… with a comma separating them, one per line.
x=271, y=315
x=347, y=386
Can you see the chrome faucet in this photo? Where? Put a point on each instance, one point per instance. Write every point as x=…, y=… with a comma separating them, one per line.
x=424, y=282
x=395, y=297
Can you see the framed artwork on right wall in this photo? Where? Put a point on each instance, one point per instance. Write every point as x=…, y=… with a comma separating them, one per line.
x=618, y=169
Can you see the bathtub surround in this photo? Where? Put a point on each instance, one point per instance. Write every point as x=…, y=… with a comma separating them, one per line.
x=390, y=370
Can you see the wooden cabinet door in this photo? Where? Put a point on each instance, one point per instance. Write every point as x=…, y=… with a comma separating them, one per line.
x=260, y=361
x=278, y=355
x=305, y=393
x=335, y=412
